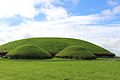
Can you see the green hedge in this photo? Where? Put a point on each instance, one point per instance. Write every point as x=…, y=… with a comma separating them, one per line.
x=2, y=54
x=104, y=54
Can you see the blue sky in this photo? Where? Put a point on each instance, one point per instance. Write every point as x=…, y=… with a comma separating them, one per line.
x=96, y=21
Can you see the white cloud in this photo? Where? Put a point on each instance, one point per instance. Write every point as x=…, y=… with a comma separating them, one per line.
x=75, y=1
x=55, y=13
x=26, y=8
x=10, y=8
x=108, y=13
x=111, y=12
x=113, y=2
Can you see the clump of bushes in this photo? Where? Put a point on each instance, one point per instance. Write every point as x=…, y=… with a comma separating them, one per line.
x=2, y=54
x=104, y=55
x=75, y=52
x=28, y=52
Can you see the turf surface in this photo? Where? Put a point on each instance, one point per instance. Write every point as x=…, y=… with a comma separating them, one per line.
x=29, y=52
x=76, y=52
x=59, y=69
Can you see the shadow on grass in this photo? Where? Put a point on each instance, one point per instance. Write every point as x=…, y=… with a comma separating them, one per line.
x=58, y=60
x=38, y=60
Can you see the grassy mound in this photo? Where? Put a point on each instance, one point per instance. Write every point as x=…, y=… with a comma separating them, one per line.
x=75, y=52
x=29, y=52
x=53, y=45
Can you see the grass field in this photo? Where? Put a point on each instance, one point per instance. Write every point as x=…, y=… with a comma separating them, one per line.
x=59, y=69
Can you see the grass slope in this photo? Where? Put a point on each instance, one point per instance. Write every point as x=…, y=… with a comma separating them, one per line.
x=75, y=52
x=53, y=45
x=59, y=70
x=29, y=52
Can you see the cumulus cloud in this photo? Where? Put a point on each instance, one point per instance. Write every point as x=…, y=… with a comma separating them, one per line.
x=111, y=12
x=28, y=10
x=73, y=1
x=55, y=13
x=15, y=12
x=25, y=8
x=10, y=8
x=113, y=2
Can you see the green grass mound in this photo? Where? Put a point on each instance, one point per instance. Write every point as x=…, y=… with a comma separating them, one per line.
x=28, y=52
x=75, y=52
x=52, y=45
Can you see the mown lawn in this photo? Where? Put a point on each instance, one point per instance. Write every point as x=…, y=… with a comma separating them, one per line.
x=59, y=69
